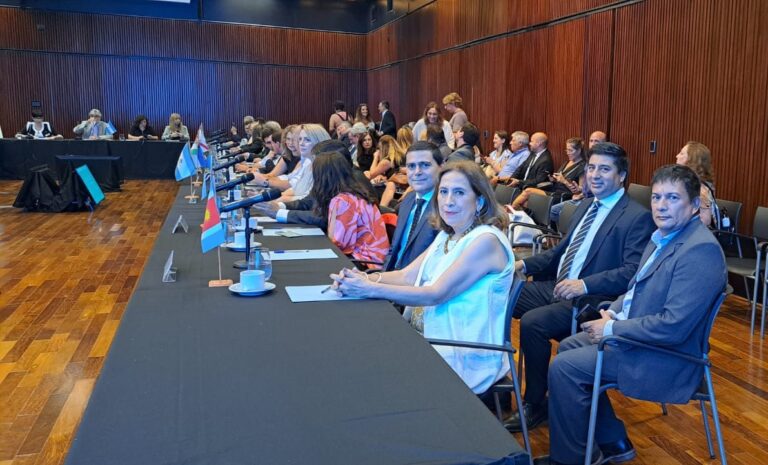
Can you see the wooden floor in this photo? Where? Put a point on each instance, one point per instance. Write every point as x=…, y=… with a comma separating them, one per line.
x=65, y=280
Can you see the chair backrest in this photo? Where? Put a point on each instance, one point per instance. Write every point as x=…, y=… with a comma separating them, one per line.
x=540, y=206
x=640, y=194
x=732, y=210
x=504, y=193
x=760, y=226
x=711, y=321
x=390, y=224
x=514, y=294
x=566, y=215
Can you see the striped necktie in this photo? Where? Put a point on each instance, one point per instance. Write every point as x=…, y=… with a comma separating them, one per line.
x=578, y=239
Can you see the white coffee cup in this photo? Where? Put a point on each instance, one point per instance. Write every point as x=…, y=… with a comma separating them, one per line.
x=252, y=280
x=237, y=194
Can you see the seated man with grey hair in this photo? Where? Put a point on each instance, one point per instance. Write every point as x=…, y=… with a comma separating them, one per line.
x=357, y=130
x=518, y=145
x=93, y=128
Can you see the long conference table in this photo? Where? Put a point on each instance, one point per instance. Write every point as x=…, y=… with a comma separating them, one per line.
x=140, y=159
x=197, y=375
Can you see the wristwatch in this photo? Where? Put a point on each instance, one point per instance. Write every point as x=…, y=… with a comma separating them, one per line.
x=266, y=183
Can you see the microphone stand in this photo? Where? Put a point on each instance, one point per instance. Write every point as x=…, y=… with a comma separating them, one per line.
x=243, y=264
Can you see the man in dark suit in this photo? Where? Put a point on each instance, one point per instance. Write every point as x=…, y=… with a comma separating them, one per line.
x=414, y=233
x=667, y=304
x=598, y=258
x=387, y=126
x=537, y=168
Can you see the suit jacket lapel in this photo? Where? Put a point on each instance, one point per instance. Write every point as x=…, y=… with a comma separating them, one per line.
x=605, y=228
x=426, y=210
x=402, y=220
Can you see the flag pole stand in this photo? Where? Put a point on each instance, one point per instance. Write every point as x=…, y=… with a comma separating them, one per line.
x=192, y=197
x=220, y=282
x=197, y=182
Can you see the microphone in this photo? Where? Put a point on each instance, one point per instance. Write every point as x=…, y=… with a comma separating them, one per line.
x=265, y=196
x=230, y=155
x=236, y=160
x=235, y=182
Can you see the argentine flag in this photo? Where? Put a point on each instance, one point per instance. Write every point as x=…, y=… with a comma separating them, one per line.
x=185, y=167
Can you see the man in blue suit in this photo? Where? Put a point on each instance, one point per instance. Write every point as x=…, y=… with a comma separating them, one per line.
x=414, y=233
x=667, y=304
x=597, y=258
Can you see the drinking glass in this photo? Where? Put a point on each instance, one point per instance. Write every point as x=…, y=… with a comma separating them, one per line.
x=260, y=260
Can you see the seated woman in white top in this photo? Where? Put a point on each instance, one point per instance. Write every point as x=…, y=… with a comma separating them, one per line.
x=461, y=283
x=297, y=184
x=175, y=129
x=432, y=116
x=38, y=128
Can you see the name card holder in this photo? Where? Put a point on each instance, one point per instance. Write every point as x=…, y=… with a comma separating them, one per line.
x=169, y=272
x=180, y=223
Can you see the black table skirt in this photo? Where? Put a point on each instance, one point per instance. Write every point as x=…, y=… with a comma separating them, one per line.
x=196, y=375
x=141, y=159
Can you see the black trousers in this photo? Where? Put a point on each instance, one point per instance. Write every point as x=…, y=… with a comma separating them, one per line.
x=541, y=319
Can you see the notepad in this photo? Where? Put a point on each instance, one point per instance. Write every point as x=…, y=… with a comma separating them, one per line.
x=314, y=294
x=294, y=232
x=306, y=254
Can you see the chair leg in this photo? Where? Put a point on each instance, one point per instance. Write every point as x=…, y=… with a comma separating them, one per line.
x=593, y=408
x=755, y=290
x=521, y=411
x=498, y=406
x=707, y=433
x=752, y=306
x=715, y=416
x=664, y=409
x=762, y=317
x=520, y=366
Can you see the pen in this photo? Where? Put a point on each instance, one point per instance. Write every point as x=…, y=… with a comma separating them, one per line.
x=291, y=251
x=326, y=289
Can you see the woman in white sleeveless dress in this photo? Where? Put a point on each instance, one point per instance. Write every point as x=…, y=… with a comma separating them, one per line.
x=461, y=283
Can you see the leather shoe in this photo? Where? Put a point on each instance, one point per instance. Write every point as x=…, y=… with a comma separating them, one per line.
x=618, y=451
x=547, y=460
x=534, y=416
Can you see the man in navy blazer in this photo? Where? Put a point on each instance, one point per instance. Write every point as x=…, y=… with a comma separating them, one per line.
x=667, y=304
x=387, y=126
x=414, y=233
x=597, y=258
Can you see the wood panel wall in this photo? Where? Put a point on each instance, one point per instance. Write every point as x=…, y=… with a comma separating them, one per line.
x=208, y=72
x=648, y=70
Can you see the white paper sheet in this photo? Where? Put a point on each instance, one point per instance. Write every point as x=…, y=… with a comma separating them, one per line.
x=264, y=219
x=313, y=294
x=306, y=254
x=294, y=232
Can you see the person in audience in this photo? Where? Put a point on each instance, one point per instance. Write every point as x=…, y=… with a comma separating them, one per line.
x=175, y=129
x=414, y=232
x=665, y=305
x=565, y=182
x=459, y=287
x=386, y=161
x=518, y=146
x=366, y=149
x=398, y=181
x=38, y=128
x=597, y=259
x=357, y=130
x=298, y=183
x=355, y=224
x=495, y=160
x=453, y=105
x=303, y=211
x=432, y=116
x=466, y=139
x=554, y=213
x=537, y=167
x=388, y=124
x=342, y=131
x=363, y=116
x=290, y=154
x=141, y=130
x=254, y=146
x=339, y=115
x=93, y=128
x=436, y=136
x=235, y=138
x=697, y=157
x=271, y=136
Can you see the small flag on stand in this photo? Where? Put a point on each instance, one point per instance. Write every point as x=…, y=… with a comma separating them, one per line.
x=213, y=232
x=184, y=167
x=110, y=128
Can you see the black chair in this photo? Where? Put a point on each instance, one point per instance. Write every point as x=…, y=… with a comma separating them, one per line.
x=539, y=207
x=640, y=194
x=748, y=267
x=705, y=392
x=563, y=224
x=504, y=193
x=513, y=384
x=731, y=210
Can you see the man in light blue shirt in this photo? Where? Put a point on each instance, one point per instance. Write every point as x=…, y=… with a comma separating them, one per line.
x=518, y=145
x=597, y=258
x=667, y=304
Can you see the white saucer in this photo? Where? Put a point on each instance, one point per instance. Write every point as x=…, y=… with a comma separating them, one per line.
x=234, y=247
x=268, y=287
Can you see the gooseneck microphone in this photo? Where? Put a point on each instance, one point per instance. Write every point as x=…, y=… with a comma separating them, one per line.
x=233, y=162
x=265, y=196
x=235, y=182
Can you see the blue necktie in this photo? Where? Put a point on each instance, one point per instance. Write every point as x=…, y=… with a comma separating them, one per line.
x=414, y=224
x=578, y=239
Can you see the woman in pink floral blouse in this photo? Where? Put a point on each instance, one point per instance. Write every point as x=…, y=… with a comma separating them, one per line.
x=354, y=221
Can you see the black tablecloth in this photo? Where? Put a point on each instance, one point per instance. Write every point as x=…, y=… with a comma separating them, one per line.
x=107, y=171
x=196, y=375
x=141, y=159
